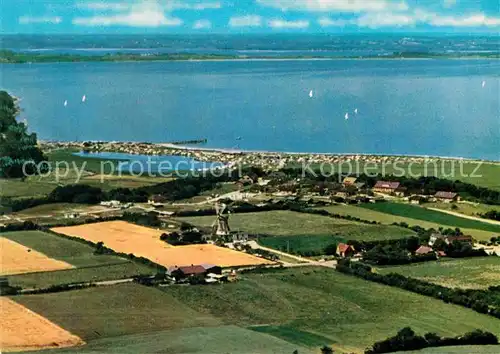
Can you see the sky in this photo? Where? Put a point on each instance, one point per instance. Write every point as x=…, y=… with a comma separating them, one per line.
x=249, y=16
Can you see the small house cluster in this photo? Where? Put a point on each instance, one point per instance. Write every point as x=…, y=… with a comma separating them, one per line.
x=202, y=273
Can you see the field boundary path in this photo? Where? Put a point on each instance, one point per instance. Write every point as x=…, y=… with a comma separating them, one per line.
x=305, y=261
x=85, y=284
x=460, y=215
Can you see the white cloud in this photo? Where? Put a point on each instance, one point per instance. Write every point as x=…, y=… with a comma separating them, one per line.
x=246, y=21
x=288, y=24
x=418, y=17
x=167, y=5
x=381, y=19
x=472, y=20
x=133, y=19
x=102, y=6
x=26, y=20
x=144, y=14
x=336, y=5
x=202, y=24
x=328, y=22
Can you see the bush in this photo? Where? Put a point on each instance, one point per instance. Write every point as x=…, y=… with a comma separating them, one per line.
x=406, y=339
x=76, y=193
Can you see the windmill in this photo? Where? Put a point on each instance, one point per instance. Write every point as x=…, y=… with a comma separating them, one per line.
x=220, y=226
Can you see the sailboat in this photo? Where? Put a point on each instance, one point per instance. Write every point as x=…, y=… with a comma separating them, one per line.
x=65, y=103
x=346, y=116
x=483, y=84
x=356, y=111
x=84, y=98
x=311, y=93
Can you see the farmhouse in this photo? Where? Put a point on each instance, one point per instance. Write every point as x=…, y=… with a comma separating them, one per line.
x=245, y=181
x=345, y=250
x=157, y=199
x=447, y=197
x=459, y=238
x=417, y=199
x=450, y=239
x=111, y=203
x=400, y=191
x=349, y=181
x=386, y=187
x=424, y=250
x=187, y=271
x=212, y=268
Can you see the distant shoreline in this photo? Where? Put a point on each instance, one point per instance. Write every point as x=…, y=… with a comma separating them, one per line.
x=174, y=149
x=10, y=57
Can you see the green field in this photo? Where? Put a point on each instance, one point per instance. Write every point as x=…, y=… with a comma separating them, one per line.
x=419, y=213
x=117, y=310
x=300, y=244
x=72, y=252
x=204, y=340
x=122, y=270
x=293, y=335
x=39, y=186
x=351, y=312
x=385, y=218
x=478, y=272
x=90, y=267
x=464, y=208
x=289, y=223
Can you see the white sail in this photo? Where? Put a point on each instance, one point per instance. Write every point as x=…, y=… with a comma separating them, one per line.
x=84, y=98
x=356, y=111
x=311, y=93
x=346, y=116
x=483, y=84
x=65, y=103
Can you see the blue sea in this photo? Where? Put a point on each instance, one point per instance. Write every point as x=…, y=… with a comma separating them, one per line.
x=421, y=107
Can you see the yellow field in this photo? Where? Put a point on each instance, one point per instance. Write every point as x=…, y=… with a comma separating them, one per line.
x=145, y=242
x=23, y=329
x=17, y=259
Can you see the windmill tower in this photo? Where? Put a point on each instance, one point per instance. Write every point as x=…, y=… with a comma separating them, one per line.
x=220, y=226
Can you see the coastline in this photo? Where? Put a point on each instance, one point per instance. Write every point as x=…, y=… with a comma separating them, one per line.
x=226, y=154
x=277, y=59
x=12, y=57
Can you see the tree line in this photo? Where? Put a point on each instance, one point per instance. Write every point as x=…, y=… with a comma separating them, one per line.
x=406, y=339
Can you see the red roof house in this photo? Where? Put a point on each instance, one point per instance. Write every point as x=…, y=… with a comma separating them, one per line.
x=424, y=250
x=345, y=250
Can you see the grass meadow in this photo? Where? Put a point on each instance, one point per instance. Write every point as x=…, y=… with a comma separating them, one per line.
x=290, y=223
x=477, y=272
x=368, y=212
x=278, y=311
x=419, y=213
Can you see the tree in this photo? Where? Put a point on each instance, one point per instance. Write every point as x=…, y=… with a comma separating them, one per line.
x=331, y=249
x=17, y=147
x=326, y=350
